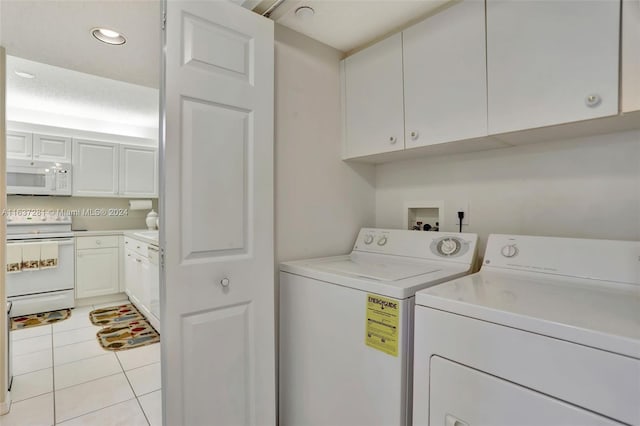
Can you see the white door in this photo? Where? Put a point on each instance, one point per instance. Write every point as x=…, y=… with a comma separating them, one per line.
x=217, y=313
x=95, y=168
x=374, y=111
x=51, y=148
x=551, y=62
x=138, y=171
x=445, y=78
x=19, y=145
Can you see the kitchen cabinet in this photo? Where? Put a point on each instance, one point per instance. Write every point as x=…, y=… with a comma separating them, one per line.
x=106, y=169
x=138, y=171
x=373, y=105
x=95, y=168
x=142, y=278
x=551, y=62
x=445, y=86
x=38, y=147
x=97, y=266
x=630, y=85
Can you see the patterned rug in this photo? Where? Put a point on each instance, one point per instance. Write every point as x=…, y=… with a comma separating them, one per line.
x=124, y=328
x=128, y=336
x=114, y=315
x=43, y=318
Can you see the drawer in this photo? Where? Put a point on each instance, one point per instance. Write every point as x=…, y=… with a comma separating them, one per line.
x=136, y=246
x=96, y=242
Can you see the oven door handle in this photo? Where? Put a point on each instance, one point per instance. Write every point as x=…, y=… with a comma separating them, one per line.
x=61, y=242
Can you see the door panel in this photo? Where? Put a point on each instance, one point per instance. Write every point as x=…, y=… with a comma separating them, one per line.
x=217, y=290
x=19, y=145
x=54, y=148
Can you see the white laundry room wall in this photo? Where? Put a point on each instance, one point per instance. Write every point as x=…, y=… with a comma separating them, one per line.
x=585, y=188
x=321, y=202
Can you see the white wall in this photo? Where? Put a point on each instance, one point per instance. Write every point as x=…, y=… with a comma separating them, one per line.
x=321, y=202
x=585, y=188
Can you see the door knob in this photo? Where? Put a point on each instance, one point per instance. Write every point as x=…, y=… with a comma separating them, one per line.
x=225, y=282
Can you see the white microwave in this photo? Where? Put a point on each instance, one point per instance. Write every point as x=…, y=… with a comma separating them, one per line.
x=26, y=177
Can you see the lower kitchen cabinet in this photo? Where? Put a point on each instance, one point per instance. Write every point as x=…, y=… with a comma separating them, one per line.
x=141, y=278
x=97, y=272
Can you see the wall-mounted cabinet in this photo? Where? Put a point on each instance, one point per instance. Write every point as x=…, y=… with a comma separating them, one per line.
x=105, y=169
x=38, y=147
x=445, y=84
x=551, y=62
x=95, y=168
x=374, y=119
x=486, y=74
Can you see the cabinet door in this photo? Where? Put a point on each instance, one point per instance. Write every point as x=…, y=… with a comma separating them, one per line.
x=145, y=286
x=51, y=148
x=97, y=272
x=630, y=85
x=95, y=168
x=19, y=145
x=130, y=272
x=374, y=116
x=445, y=86
x=551, y=62
x=138, y=171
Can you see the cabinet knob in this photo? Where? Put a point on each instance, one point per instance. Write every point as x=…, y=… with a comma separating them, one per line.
x=393, y=139
x=98, y=242
x=225, y=282
x=593, y=100
x=414, y=135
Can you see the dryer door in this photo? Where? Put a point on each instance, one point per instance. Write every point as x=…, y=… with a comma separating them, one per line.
x=462, y=396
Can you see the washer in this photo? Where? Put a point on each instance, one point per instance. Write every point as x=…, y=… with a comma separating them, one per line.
x=547, y=333
x=346, y=326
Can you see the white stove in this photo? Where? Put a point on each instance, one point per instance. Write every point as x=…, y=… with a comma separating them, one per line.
x=46, y=283
x=548, y=332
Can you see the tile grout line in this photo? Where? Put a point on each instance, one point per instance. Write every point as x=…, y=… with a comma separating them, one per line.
x=134, y=391
x=96, y=410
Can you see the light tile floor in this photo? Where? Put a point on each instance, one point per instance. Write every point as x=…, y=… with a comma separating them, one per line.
x=63, y=377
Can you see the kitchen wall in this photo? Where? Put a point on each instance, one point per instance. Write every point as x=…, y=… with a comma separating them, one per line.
x=586, y=188
x=134, y=219
x=321, y=202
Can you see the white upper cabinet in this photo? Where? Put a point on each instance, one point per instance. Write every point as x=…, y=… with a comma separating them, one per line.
x=445, y=86
x=138, y=171
x=374, y=116
x=630, y=87
x=551, y=62
x=38, y=147
x=19, y=145
x=95, y=168
x=51, y=148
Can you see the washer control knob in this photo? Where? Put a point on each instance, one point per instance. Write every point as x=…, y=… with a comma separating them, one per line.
x=510, y=250
x=449, y=246
x=368, y=239
x=382, y=240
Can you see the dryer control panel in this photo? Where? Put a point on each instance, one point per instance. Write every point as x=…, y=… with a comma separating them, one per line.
x=423, y=245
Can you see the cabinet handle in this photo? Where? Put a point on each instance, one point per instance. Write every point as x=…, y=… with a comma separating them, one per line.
x=414, y=135
x=138, y=260
x=225, y=282
x=98, y=242
x=593, y=100
x=393, y=139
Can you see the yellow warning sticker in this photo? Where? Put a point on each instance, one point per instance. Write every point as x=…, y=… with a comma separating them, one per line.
x=383, y=324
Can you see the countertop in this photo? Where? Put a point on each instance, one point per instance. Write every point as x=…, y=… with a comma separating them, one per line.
x=131, y=233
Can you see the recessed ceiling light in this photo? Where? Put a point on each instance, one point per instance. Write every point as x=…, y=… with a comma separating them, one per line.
x=108, y=36
x=24, y=74
x=305, y=12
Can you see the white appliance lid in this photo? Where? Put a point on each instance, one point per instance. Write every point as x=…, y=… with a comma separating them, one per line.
x=376, y=268
x=599, y=314
x=385, y=275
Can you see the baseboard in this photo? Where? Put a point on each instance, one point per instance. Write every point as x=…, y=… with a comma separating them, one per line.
x=100, y=300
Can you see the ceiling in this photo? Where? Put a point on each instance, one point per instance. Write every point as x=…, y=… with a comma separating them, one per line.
x=348, y=25
x=58, y=33
x=70, y=93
